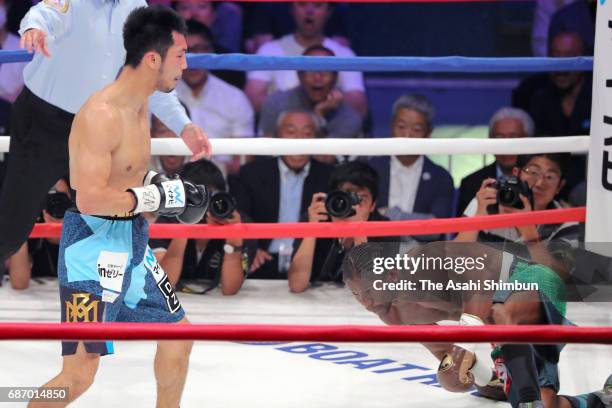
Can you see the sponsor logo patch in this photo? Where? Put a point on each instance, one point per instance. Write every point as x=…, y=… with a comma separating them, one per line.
x=163, y=284
x=150, y=262
x=171, y=299
x=111, y=269
x=175, y=193
x=60, y=5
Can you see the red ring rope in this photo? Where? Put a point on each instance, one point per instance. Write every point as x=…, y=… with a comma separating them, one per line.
x=348, y=229
x=436, y=334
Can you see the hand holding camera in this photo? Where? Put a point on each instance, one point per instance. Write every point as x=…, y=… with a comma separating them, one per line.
x=222, y=211
x=504, y=194
x=486, y=196
x=316, y=210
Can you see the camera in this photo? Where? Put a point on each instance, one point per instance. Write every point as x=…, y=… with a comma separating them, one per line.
x=340, y=203
x=57, y=203
x=508, y=194
x=222, y=205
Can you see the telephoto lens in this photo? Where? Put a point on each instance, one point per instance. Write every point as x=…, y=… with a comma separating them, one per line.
x=222, y=205
x=57, y=203
x=340, y=203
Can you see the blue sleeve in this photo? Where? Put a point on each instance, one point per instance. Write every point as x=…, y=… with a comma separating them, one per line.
x=169, y=110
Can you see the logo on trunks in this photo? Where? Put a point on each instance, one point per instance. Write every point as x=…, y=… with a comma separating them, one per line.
x=152, y=265
x=171, y=299
x=81, y=309
x=110, y=271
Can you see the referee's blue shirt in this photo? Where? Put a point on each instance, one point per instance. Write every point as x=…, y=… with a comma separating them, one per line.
x=85, y=39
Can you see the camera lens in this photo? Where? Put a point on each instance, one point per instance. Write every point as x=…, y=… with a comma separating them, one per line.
x=222, y=205
x=507, y=196
x=57, y=204
x=340, y=204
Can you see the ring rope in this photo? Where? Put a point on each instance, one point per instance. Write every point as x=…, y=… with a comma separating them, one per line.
x=549, y=334
x=371, y=146
x=247, y=62
x=348, y=229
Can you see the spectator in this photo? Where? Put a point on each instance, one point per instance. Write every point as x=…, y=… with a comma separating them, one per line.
x=578, y=17
x=202, y=93
x=224, y=261
x=543, y=173
x=224, y=19
x=316, y=92
x=504, y=124
x=542, y=15
x=38, y=257
x=562, y=106
x=319, y=259
x=280, y=189
x=266, y=21
x=310, y=19
x=411, y=186
x=11, y=75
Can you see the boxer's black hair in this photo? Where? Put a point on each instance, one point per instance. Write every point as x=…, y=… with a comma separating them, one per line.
x=150, y=29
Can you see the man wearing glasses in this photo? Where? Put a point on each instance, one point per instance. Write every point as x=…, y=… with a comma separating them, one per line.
x=545, y=244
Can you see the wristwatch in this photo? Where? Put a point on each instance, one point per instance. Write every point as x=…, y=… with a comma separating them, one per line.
x=230, y=249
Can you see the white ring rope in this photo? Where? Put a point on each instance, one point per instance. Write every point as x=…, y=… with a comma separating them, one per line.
x=371, y=147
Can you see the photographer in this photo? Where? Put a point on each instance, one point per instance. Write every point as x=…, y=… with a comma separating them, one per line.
x=319, y=259
x=38, y=257
x=219, y=261
x=538, y=178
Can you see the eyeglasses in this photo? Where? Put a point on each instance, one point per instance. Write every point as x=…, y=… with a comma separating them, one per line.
x=548, y=178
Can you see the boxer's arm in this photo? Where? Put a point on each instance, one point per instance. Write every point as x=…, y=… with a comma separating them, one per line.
x=438, y=349
x=94, y=136
x=169, y=110
x=53, y=20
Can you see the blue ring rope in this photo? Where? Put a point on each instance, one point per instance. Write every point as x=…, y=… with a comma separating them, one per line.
x=244, y=62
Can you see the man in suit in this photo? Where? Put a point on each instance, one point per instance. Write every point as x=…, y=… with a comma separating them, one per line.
x=279, y=189
x=412, y=186
x=505, y=123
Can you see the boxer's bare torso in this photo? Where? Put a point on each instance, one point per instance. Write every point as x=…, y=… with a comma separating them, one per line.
x=109, y=145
